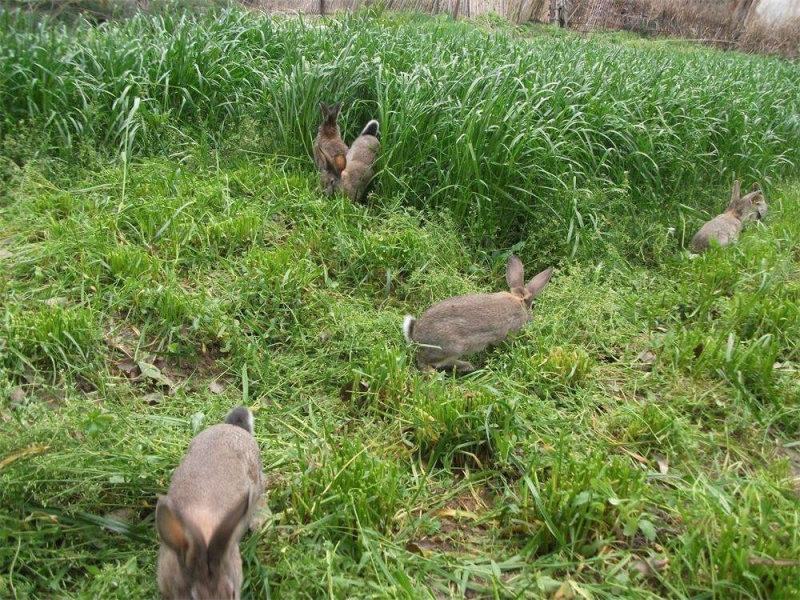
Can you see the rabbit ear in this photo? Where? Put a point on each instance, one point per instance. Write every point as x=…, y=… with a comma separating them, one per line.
x=339, y=163
x=735, y=194
x=756, y=186
x=325, y=110
x=181, y=537
x=224, y=533
x=335, y=110
x=536, y=285
x=514, y=272
x=335, y=165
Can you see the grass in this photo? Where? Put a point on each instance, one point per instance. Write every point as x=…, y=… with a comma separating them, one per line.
x=544, y=134
x=636, y=440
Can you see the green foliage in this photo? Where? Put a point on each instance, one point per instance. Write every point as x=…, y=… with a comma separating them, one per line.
x=515, y=137
x=166, y=254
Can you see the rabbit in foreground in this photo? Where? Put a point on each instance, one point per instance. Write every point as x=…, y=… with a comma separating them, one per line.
x=358, y=165
x=725, y=228
x=329, y=149
x=211, y=500
x=466, y=324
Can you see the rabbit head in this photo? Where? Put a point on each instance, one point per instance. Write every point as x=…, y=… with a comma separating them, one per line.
x=529, y=291
x=200, y=569
x=465, y=324
x=211, y=500
x=757, y=203
x=748, y=208
x=330, y=176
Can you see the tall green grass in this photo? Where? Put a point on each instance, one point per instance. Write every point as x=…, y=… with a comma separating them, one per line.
x=511, y=135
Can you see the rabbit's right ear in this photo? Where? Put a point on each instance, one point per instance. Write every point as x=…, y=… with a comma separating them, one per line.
x=181, y=537
x=756, y=186
x=514, y=272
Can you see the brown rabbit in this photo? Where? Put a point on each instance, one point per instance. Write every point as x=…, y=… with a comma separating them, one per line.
x=329, y=150
x=466, y=324
x=360, y=161
x=725, y=228
x=212, y=497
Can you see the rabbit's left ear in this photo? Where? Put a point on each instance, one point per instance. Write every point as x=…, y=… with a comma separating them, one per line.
x=514, y=272
x=756, y=187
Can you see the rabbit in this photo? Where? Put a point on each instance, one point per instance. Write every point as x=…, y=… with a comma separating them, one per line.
x=360, y=161
x=357, y=170
x=211, y=500
x=725, y=228
x=329, y=149
x=466, y=324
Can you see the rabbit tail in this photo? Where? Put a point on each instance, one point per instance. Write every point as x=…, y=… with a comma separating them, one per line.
x=371, y=128
x=408, y=328
x=241, y=417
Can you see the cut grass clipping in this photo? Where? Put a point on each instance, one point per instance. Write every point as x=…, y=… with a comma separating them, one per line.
x=166, y=254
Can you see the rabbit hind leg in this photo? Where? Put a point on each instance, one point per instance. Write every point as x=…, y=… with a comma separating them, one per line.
x=461, y=366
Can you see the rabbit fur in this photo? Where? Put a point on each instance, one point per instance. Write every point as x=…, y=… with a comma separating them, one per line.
x=725, y=228
x=211, y=500
x=466, y=324
x=330, y=151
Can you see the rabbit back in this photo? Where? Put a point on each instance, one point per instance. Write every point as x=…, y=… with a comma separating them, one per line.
x=466, y=324
x=222, y=463
x=360, y=162
x=723, y=228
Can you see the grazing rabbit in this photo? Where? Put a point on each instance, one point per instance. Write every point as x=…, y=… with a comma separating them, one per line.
x=725, y=228
x=211, y=500
x=360, y=161
x=466, y=324
x=329, y=149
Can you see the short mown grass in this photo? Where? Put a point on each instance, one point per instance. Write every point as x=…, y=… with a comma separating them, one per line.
x=166, y=255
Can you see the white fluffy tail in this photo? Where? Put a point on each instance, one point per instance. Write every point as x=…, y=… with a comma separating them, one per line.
x=371, y=128
x=408, y=327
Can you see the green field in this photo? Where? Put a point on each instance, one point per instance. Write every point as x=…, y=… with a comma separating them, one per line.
x=166, y=254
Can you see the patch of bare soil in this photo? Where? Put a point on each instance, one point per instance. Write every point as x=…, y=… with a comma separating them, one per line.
x=156, y=374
